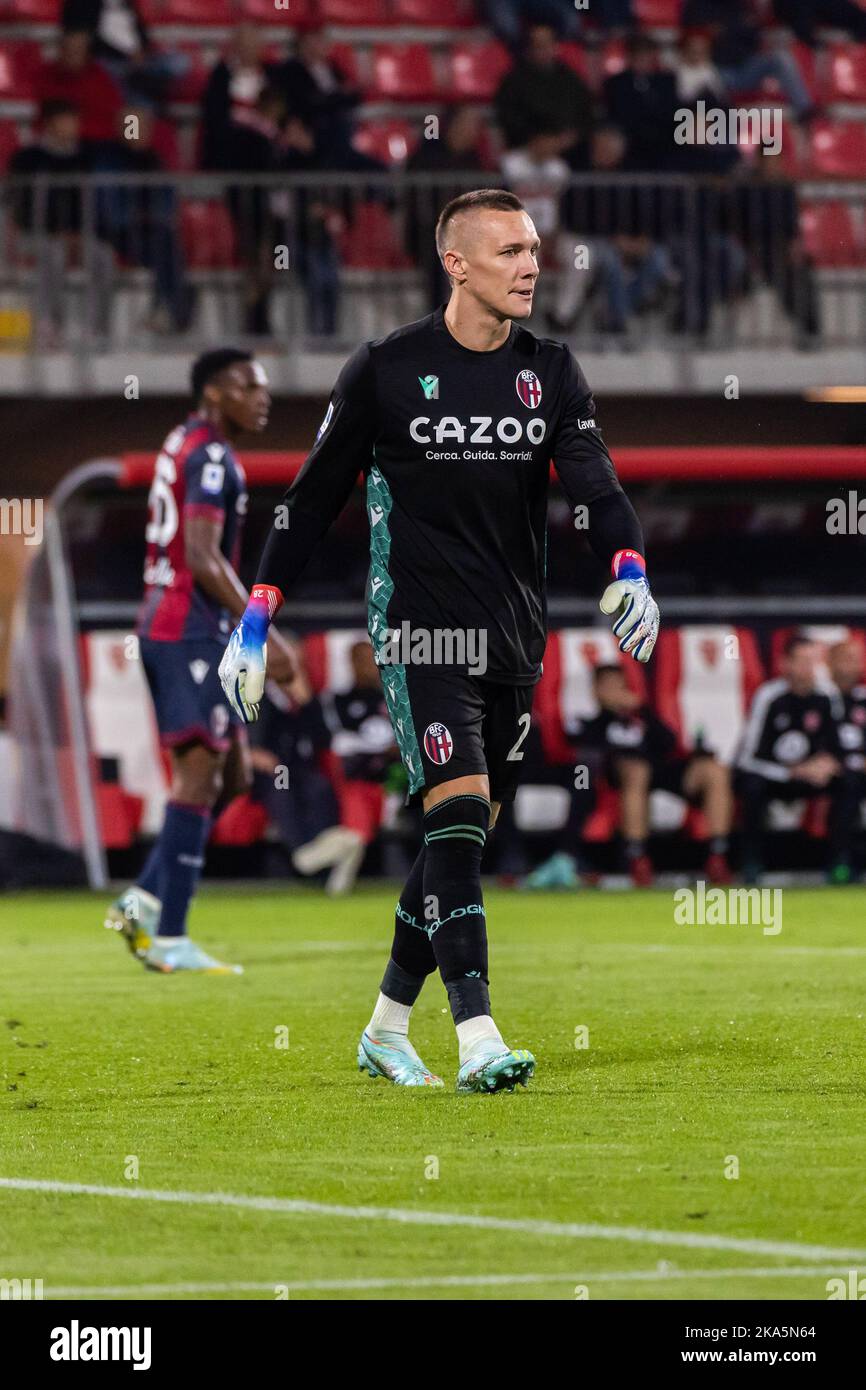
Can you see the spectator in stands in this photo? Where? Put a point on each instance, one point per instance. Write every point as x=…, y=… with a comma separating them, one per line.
x=541, y=95
x=638, y=755
x=641, y=100
x=232, y=92
x=768, y=223
x=317, y=91
x=455, y=149
x=699, y=80
x=122, y=43
x=618, y=226
x=805, y=17
x=77, y=77
x=363, y=743
x=141, y=221
x=509, y=19
x=289, y=743
x=739, y=52
x=790, y=751
x=51, y=221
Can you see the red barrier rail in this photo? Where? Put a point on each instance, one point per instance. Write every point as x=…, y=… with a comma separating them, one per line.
x=713, y=463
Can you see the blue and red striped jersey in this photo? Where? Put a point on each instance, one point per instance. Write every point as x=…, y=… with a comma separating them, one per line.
x=196, y=474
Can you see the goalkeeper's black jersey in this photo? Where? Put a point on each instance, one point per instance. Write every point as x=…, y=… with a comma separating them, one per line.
x=455, y=446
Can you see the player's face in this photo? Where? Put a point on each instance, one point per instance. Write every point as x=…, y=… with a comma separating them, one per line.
x=846, y=664
x=501, y=262
x=800, y=665
x=244, y=396
x=613, y=694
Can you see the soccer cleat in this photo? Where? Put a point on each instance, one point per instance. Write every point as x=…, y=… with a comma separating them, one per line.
x=135, y=914
x=494, y=1070
x=392, y=1055
x=718, y=870
x=641, y=871
x=559, y=871
x=183, y=954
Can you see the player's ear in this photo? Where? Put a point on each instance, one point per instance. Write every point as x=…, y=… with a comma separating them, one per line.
x=454, y=268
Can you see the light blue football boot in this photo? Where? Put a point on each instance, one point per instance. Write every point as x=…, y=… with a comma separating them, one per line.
x=392, y=1055
x=135, y=914
x=559, y=871
x=492, y=1069
x=182, y=954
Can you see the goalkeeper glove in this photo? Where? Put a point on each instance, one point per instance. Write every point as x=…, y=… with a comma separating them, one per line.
x=245, y=660
x=629, y=597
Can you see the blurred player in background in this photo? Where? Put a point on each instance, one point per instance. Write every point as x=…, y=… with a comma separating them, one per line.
x=197, y=506
x=791, y=751
x=454, y=421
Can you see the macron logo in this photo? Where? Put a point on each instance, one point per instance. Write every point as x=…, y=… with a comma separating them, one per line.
x=77, y=1343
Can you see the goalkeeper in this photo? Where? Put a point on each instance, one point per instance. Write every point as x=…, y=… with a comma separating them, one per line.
x=453, y=421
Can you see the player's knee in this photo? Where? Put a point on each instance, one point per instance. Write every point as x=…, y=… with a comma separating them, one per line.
x=634, y=773
x=198, y=777
x=456, y=829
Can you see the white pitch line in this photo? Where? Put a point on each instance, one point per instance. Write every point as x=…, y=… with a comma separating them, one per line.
x=448, y=1281
x=403, y=1216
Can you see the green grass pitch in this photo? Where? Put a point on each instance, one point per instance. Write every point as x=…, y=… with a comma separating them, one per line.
x=711, y=1049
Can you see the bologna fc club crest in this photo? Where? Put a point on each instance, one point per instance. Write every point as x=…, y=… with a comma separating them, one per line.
x=438, y=743
x=529, y=389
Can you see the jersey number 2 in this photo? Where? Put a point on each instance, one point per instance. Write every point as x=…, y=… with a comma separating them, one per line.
x=516, y=753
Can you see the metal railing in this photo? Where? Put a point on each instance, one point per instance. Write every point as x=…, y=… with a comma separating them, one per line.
x=132, y=261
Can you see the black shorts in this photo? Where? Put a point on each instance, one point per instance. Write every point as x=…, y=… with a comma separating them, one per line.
x=666, y=776
x=450, y=723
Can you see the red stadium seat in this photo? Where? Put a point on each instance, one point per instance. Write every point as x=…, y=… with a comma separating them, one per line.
x=658, y=14
x=208, y=234
x=403, y=72
x=370, y=242
x=705, y=684
x=847, y=73
x=477, y=70
x=839, y=150
x=298, y=12
x=389, y=141
x=346, y=59
x=196, y=12
x=242, y=823
x=30, y=11
x=574, y=57
x=831, y=234
x=190, y=87
x=354, y=12
x=440, y=14
x=19, y=64
x=9, y=143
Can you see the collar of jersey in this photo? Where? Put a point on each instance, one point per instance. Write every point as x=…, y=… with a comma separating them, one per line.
x=441, y=326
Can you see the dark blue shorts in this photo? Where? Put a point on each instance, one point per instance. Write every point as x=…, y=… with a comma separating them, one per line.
x=190, y=703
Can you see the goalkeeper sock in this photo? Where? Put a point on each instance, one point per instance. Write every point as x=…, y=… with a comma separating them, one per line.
x=148, y=879
x=455, y=831
x=183, y=839
x=412, y=958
